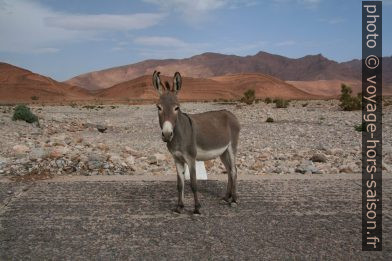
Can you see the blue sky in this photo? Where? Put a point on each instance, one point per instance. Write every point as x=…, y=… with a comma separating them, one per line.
x=62, y=39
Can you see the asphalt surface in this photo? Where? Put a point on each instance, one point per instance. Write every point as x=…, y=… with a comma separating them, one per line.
x=277, y=218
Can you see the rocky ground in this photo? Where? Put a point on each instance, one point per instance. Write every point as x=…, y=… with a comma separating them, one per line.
x=309, y=137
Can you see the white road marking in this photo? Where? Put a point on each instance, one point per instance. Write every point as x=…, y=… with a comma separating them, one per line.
x=201, y=172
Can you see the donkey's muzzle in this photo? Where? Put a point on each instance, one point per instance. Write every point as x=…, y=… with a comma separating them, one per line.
x=166, y=137
x=167, y=131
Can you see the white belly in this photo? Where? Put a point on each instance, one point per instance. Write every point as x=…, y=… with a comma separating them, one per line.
x=209, y=154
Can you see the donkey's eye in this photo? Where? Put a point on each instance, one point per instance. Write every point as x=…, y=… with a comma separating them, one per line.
x=176, y=108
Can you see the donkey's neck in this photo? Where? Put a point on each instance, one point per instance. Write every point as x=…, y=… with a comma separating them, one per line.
x=183, y=125
x=182, y=131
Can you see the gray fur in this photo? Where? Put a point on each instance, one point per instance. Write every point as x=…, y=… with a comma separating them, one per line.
x=197, y=136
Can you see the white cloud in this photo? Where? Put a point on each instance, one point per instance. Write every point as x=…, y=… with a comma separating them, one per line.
x=197, y=11
x=186, y=5
x=286, y=43
x=310, y=1
x=46, y=50
x=162, y=41
x=305, y=3
x=118, y=49
x=104, y=21
x=22, y=28
x=122, y=43
x=29, y=27
x=169, y=47
x=161, y=47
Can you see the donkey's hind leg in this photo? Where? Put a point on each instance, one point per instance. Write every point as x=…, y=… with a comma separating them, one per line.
x=228, y=160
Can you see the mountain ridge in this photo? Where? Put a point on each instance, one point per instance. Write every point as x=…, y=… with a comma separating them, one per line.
x=206, y=65
x=23, y=86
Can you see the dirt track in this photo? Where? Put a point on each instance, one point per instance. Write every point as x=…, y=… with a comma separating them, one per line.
x=308, y=216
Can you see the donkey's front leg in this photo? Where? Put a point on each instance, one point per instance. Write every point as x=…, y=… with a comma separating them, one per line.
x=180, y=185
x=192, y=172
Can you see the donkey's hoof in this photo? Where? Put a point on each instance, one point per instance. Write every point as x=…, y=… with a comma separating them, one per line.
x=225, y=201
x=177, y=210
x=233, y=204
x=196, y=212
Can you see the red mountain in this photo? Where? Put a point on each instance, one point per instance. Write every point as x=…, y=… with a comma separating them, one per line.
x=199, y=89
x=308, y=68
x=20, y=85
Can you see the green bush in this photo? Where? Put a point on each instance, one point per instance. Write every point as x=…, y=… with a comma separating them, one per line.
x=269, y=119
x=268, y=100
x=22, y=112
x=249, y=97
x=360, y=127
x=281, y=103
x=89, y=107
x=348, y=102
x=35, y=98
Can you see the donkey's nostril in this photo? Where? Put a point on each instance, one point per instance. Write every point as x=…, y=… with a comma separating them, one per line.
x=167, y=136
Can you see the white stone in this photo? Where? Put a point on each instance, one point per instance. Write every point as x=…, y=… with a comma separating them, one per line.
x=130, y=160
x=20, y=149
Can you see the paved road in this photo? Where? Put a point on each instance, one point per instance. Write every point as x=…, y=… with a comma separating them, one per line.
x=131, y=219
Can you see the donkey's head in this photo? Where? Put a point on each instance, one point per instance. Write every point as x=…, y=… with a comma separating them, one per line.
x=168, y=105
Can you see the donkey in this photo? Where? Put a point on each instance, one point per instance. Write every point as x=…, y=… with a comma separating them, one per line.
x=191, y=137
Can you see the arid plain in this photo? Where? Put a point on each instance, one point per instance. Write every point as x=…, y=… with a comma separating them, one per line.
x=311, y=137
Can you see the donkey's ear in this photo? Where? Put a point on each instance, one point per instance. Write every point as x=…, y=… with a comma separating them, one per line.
x=156, y=81
x=177, y=81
